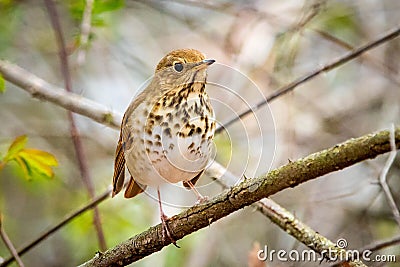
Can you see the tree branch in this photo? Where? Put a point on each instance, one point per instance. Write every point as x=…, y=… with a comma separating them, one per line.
x=85, y=31
x=9, y=244
x=378, y=245
x=383, y=177
x=249, y=191
x=41, y=89
x=74, y=132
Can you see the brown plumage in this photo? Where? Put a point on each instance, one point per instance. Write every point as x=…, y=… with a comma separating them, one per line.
x=167, y=130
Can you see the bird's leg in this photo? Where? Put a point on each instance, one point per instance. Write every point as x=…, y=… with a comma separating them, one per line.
x=200, y=197
x=164, y=218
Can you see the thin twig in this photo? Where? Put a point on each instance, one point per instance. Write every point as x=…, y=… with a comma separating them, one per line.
x=85, y=31
x=77, y=141
x=374, y=63
x=383, y=176
x=43, y=90
x=381, y=244
x=9, y=244
x=92, y=204
x=393, y=33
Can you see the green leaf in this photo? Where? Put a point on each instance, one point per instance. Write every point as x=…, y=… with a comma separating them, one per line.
x=38, y=162
x=40, y=155
x=24, y=166
x=17, y=145
x=33, y=162
x=2, y=84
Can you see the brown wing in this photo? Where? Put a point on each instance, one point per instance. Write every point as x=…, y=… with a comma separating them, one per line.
x=133, y=188
x=119, y=168
x=194, y=180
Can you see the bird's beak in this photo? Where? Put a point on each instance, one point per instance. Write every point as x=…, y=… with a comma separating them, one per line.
x=204, y=63
x=208, y=61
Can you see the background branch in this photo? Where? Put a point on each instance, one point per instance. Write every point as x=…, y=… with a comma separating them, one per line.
x=381, y=244
x=92, y=204
x=43, y=90
x=9, y=244
x=389, y=35
x=85, y=32
x=383, y=177
x=74, y=132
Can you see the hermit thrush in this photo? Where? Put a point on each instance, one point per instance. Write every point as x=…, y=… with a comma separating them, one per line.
x=167, y=131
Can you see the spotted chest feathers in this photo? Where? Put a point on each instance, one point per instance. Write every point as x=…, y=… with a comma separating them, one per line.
x=179, y=131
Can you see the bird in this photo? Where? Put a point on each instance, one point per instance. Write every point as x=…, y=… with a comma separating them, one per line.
x=167, y=130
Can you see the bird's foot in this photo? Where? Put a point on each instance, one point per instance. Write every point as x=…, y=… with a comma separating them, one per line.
x=201, y=199
x=165, y=231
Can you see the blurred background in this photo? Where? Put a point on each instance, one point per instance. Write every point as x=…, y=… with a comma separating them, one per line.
x=269, y=43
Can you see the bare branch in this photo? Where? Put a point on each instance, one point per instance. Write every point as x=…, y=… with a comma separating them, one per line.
x=381, y=244
x=372, y=62
x=85, y=31
x=393, y=33
x=93, y=203
x=383, y=176
x=43, y=90
x=249, y=191
x=9, y=244
x=74, y=132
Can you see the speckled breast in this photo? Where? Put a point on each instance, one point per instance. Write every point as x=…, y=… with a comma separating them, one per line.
x=174, y=143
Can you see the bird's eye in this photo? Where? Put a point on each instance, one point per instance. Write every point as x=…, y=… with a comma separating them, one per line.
x=178, y=67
